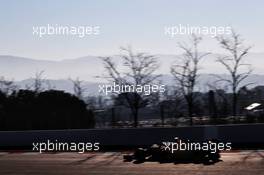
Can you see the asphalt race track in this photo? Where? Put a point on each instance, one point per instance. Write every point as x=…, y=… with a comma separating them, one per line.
x=18, y=163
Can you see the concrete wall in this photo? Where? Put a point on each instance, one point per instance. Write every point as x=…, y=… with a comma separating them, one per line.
x=251, y=133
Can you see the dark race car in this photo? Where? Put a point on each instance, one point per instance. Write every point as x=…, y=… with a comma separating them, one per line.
x=161, y=154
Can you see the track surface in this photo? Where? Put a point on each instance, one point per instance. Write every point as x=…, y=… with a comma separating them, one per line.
x=111, y=163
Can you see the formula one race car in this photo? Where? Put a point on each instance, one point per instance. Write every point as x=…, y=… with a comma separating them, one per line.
x=160, y=153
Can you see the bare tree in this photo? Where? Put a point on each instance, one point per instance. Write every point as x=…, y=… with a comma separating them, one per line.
x=234, y=63
x=39, y=82
x=221, y=97
x=7, y=86
x=78, y=87
x=186, y=72
x=138, y=69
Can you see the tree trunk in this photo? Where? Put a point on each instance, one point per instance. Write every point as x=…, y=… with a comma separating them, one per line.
x=162, y=114
x=190, y=110
x=135, y=113
x=234, y=104
x=113, y=117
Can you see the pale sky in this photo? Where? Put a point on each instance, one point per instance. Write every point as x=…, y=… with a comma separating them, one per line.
x=139, y=23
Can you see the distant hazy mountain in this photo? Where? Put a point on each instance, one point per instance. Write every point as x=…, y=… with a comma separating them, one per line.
x=207, y=81
x=22, y=70
x=90, y=67
x=92, y=88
